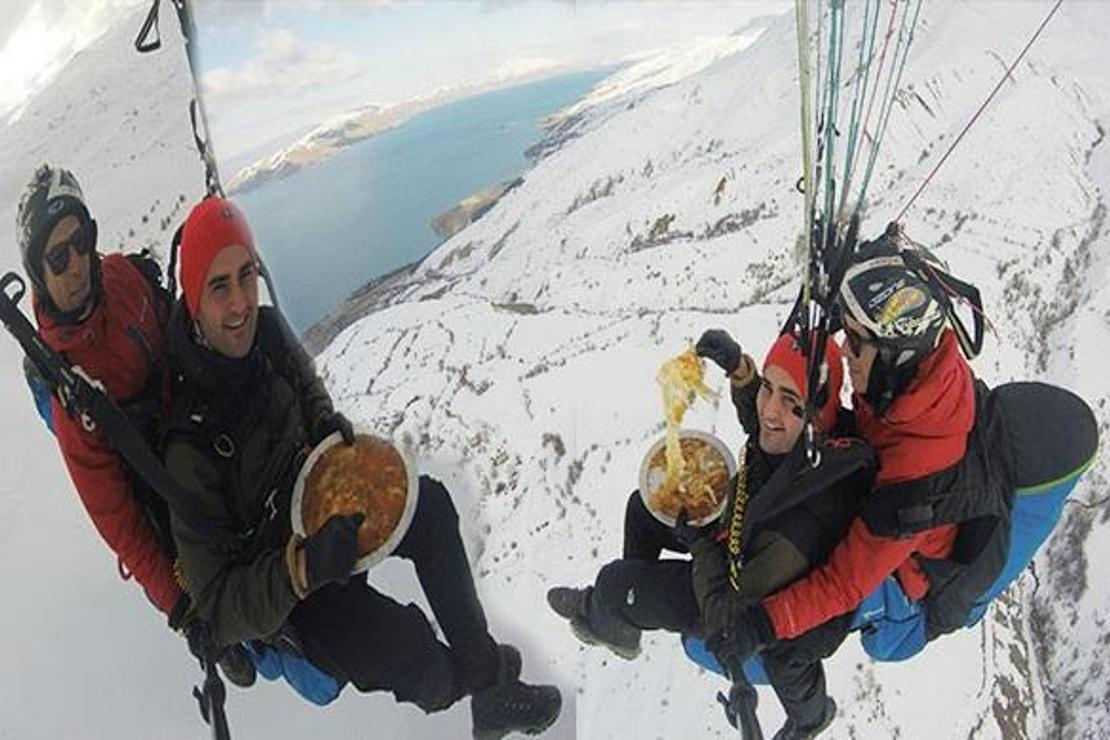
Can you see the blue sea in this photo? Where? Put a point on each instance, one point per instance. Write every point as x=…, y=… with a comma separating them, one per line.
x=330, y=228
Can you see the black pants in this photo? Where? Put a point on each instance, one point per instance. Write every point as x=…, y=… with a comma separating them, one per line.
x=639, y=589
x=356, y=633
x=796, y=674
x=648, y=593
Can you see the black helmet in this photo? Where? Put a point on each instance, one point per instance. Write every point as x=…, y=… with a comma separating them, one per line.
x=52, y=194
x=900, y=311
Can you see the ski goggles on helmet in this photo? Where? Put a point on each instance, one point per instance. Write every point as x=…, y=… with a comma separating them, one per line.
x=80, y=241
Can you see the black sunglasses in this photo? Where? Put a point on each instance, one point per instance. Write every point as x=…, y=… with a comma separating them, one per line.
x=81, y=241
x=856, y=341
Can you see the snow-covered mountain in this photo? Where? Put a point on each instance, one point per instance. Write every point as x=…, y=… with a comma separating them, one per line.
x=519, y=358
x=519, y=362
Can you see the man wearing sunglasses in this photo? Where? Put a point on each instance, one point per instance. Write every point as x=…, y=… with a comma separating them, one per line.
x=101, y=314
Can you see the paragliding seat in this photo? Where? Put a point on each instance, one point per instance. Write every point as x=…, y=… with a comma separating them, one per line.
x=302, y=675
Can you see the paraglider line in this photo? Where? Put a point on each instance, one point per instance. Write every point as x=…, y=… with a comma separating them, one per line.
x=1006, y=76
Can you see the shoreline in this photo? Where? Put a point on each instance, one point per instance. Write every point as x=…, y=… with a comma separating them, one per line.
x=353, y=127
x=364, y=301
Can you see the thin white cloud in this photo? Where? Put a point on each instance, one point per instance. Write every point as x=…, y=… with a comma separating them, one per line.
x=523, y=66
x=44, y=36
x=284, y=65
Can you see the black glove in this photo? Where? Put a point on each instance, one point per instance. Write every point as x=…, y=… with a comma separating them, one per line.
x=333, y=422
x=686, y=533
x=710, y=570
x=199, y=637
x=330, y=554
x=747, y=632
x=717, y=345
x=180, y=613
x=186, y=624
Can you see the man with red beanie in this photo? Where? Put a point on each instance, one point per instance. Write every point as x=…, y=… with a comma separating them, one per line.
x=789, y=518
x=248, y=408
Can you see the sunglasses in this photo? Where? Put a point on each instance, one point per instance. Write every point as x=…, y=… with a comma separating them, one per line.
x=81, y=241
x=856, y=341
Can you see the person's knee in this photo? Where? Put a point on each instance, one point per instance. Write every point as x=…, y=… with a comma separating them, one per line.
x=611, y=586
x=635, y=510
x=438, y=685
x=418, y=668
x=435, y=502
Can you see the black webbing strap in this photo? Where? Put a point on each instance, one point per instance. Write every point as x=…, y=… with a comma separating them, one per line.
x=142, y=44
x=81, y=397
x=946, y=286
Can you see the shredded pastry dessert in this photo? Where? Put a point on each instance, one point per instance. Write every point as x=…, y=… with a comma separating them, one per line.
x=695, y=472
x=368, y=477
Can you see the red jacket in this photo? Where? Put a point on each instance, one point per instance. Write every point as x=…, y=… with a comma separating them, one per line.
x=101, y=346
x=924, y=431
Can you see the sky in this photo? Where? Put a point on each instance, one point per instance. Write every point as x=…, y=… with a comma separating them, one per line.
x=275, y=69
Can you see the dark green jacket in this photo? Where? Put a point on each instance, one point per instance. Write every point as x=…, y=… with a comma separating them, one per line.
x=238, y=434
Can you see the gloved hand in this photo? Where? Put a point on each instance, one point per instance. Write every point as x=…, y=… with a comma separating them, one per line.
x=710, y=570
x=687, y=533
x=717, y=345
x=179, y=615
x=333, y=422
x=330, y=554
x=194, y=629
x=746, y=633
x=740, y=706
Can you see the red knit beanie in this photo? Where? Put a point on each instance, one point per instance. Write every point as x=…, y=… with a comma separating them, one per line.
x=787, y=354
x=213, y=224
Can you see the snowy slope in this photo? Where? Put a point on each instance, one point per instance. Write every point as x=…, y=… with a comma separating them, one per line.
x=520, y=359
x=521, y=364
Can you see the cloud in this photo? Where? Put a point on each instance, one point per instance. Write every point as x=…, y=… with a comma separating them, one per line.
x=40, y=37
x=524, y=66
x=250, y=13
x=284, y=65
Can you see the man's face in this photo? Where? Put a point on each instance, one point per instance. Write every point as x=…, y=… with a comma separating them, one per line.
x=860, y=351
x=227, y=312
x=777, y=404
x=70, y=290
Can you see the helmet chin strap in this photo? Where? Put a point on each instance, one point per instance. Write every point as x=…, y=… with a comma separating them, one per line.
x=887, y=381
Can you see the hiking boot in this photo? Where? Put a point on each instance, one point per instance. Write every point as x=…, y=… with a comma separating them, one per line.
x=791, y=731
x=511, y=662
x=572, y=603
x=511, y=706
x=237, y=666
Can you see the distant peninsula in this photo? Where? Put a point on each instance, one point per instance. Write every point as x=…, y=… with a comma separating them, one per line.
x=329, y=138
x=470, y=209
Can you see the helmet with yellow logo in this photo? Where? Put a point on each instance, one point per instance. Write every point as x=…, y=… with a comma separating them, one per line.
x=892, y=302
x=887, y=302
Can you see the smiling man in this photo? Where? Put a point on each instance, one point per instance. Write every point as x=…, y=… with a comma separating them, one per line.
x=248, y=407
x=788, y=518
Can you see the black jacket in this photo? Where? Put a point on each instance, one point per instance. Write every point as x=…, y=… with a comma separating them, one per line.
x=238, y=434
